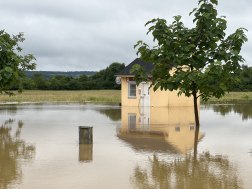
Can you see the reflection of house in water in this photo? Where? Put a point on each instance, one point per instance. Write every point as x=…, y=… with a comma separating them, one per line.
x=158, y=129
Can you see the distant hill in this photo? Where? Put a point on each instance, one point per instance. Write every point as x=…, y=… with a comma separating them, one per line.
x=48, y=74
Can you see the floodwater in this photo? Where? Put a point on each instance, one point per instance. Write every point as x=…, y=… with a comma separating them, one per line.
x=132, y=147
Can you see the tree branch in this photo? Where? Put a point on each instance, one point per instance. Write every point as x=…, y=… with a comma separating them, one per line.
x=200, y=95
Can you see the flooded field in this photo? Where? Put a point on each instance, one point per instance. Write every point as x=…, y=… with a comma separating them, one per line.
x=132, y=147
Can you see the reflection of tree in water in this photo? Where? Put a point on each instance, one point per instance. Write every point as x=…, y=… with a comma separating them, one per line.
x=12, y=150
x=208, y=171
x=113, y=114
x=244, y=109
x=10, y=109
x=197, y=171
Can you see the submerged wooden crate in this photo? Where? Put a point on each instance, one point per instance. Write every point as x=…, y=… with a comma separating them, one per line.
x=85, y=135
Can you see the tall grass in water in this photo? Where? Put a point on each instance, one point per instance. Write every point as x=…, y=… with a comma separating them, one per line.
x=103, y=96
x=245, y=96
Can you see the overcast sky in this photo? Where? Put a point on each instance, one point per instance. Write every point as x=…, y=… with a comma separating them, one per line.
x=89, y=35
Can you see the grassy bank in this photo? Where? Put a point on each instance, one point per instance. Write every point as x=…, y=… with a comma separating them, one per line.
x=233, y=96
x=103, y=96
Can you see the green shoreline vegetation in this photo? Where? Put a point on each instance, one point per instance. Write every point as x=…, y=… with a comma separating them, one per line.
x=96, y=96
x=232, y=96
x=99, y=96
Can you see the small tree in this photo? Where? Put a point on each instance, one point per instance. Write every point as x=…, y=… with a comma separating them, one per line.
x=199, y=55
x=12, y=65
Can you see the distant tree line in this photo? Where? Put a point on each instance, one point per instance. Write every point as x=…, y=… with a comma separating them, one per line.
x=49, y=74
x=245, y=83
x=104, y=79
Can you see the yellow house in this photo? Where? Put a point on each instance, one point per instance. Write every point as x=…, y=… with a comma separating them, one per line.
x=142, y=95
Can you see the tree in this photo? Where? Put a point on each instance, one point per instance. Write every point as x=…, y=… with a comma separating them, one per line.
x=105, y=79
x=110, y=77
x=198, y=55
x=12, y=65
x=54, y=84
x=83, y=78
x=28, y=83
x=39, y=80
x=74, y=84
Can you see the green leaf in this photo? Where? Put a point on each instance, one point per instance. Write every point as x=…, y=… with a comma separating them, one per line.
x=237, y=79
x=214, y=2
x=206, y=15
x=209, y=7
x=157, y=86
x=192, y=45
x=182, y=89
x=179, y=93
x=177, y=18
x=217, y=71
x=200, y=1
x=153, y=20
x=138, y=82
x=244, y=39
x=235, y=52
x=192, y=11
x=8, y=69
x=138, y=43
x=3, y=46
x=7, y=75
x=208, y=23
x=169, y=86
x=191, y=77
x=218, y=63
x=223, y=86
x=168, y=42
x=135, y=68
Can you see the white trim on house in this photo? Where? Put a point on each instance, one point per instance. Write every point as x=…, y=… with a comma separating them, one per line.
x=145, y=94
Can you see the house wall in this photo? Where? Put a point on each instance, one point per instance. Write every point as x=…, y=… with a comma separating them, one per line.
x=157, y=99
x=124, y=94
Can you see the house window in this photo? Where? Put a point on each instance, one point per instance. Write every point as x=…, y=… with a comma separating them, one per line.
x=177, y=129
x=132, y=89
x=131, y=122
x=191, y=128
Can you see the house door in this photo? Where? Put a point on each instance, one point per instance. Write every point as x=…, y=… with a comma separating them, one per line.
x=145, y=94
x=145, y=118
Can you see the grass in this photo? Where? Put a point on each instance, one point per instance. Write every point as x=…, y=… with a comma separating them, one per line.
x=233, y=96
x=101, y=96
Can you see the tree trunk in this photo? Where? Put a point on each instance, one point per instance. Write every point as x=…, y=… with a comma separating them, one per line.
x=196, y=113
x=195, y=162
x=196, y=143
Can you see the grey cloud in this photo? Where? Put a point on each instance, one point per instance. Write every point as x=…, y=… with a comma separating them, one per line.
x=90, y=35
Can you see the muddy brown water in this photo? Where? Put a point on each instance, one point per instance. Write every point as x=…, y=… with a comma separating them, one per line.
x=132, y=147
